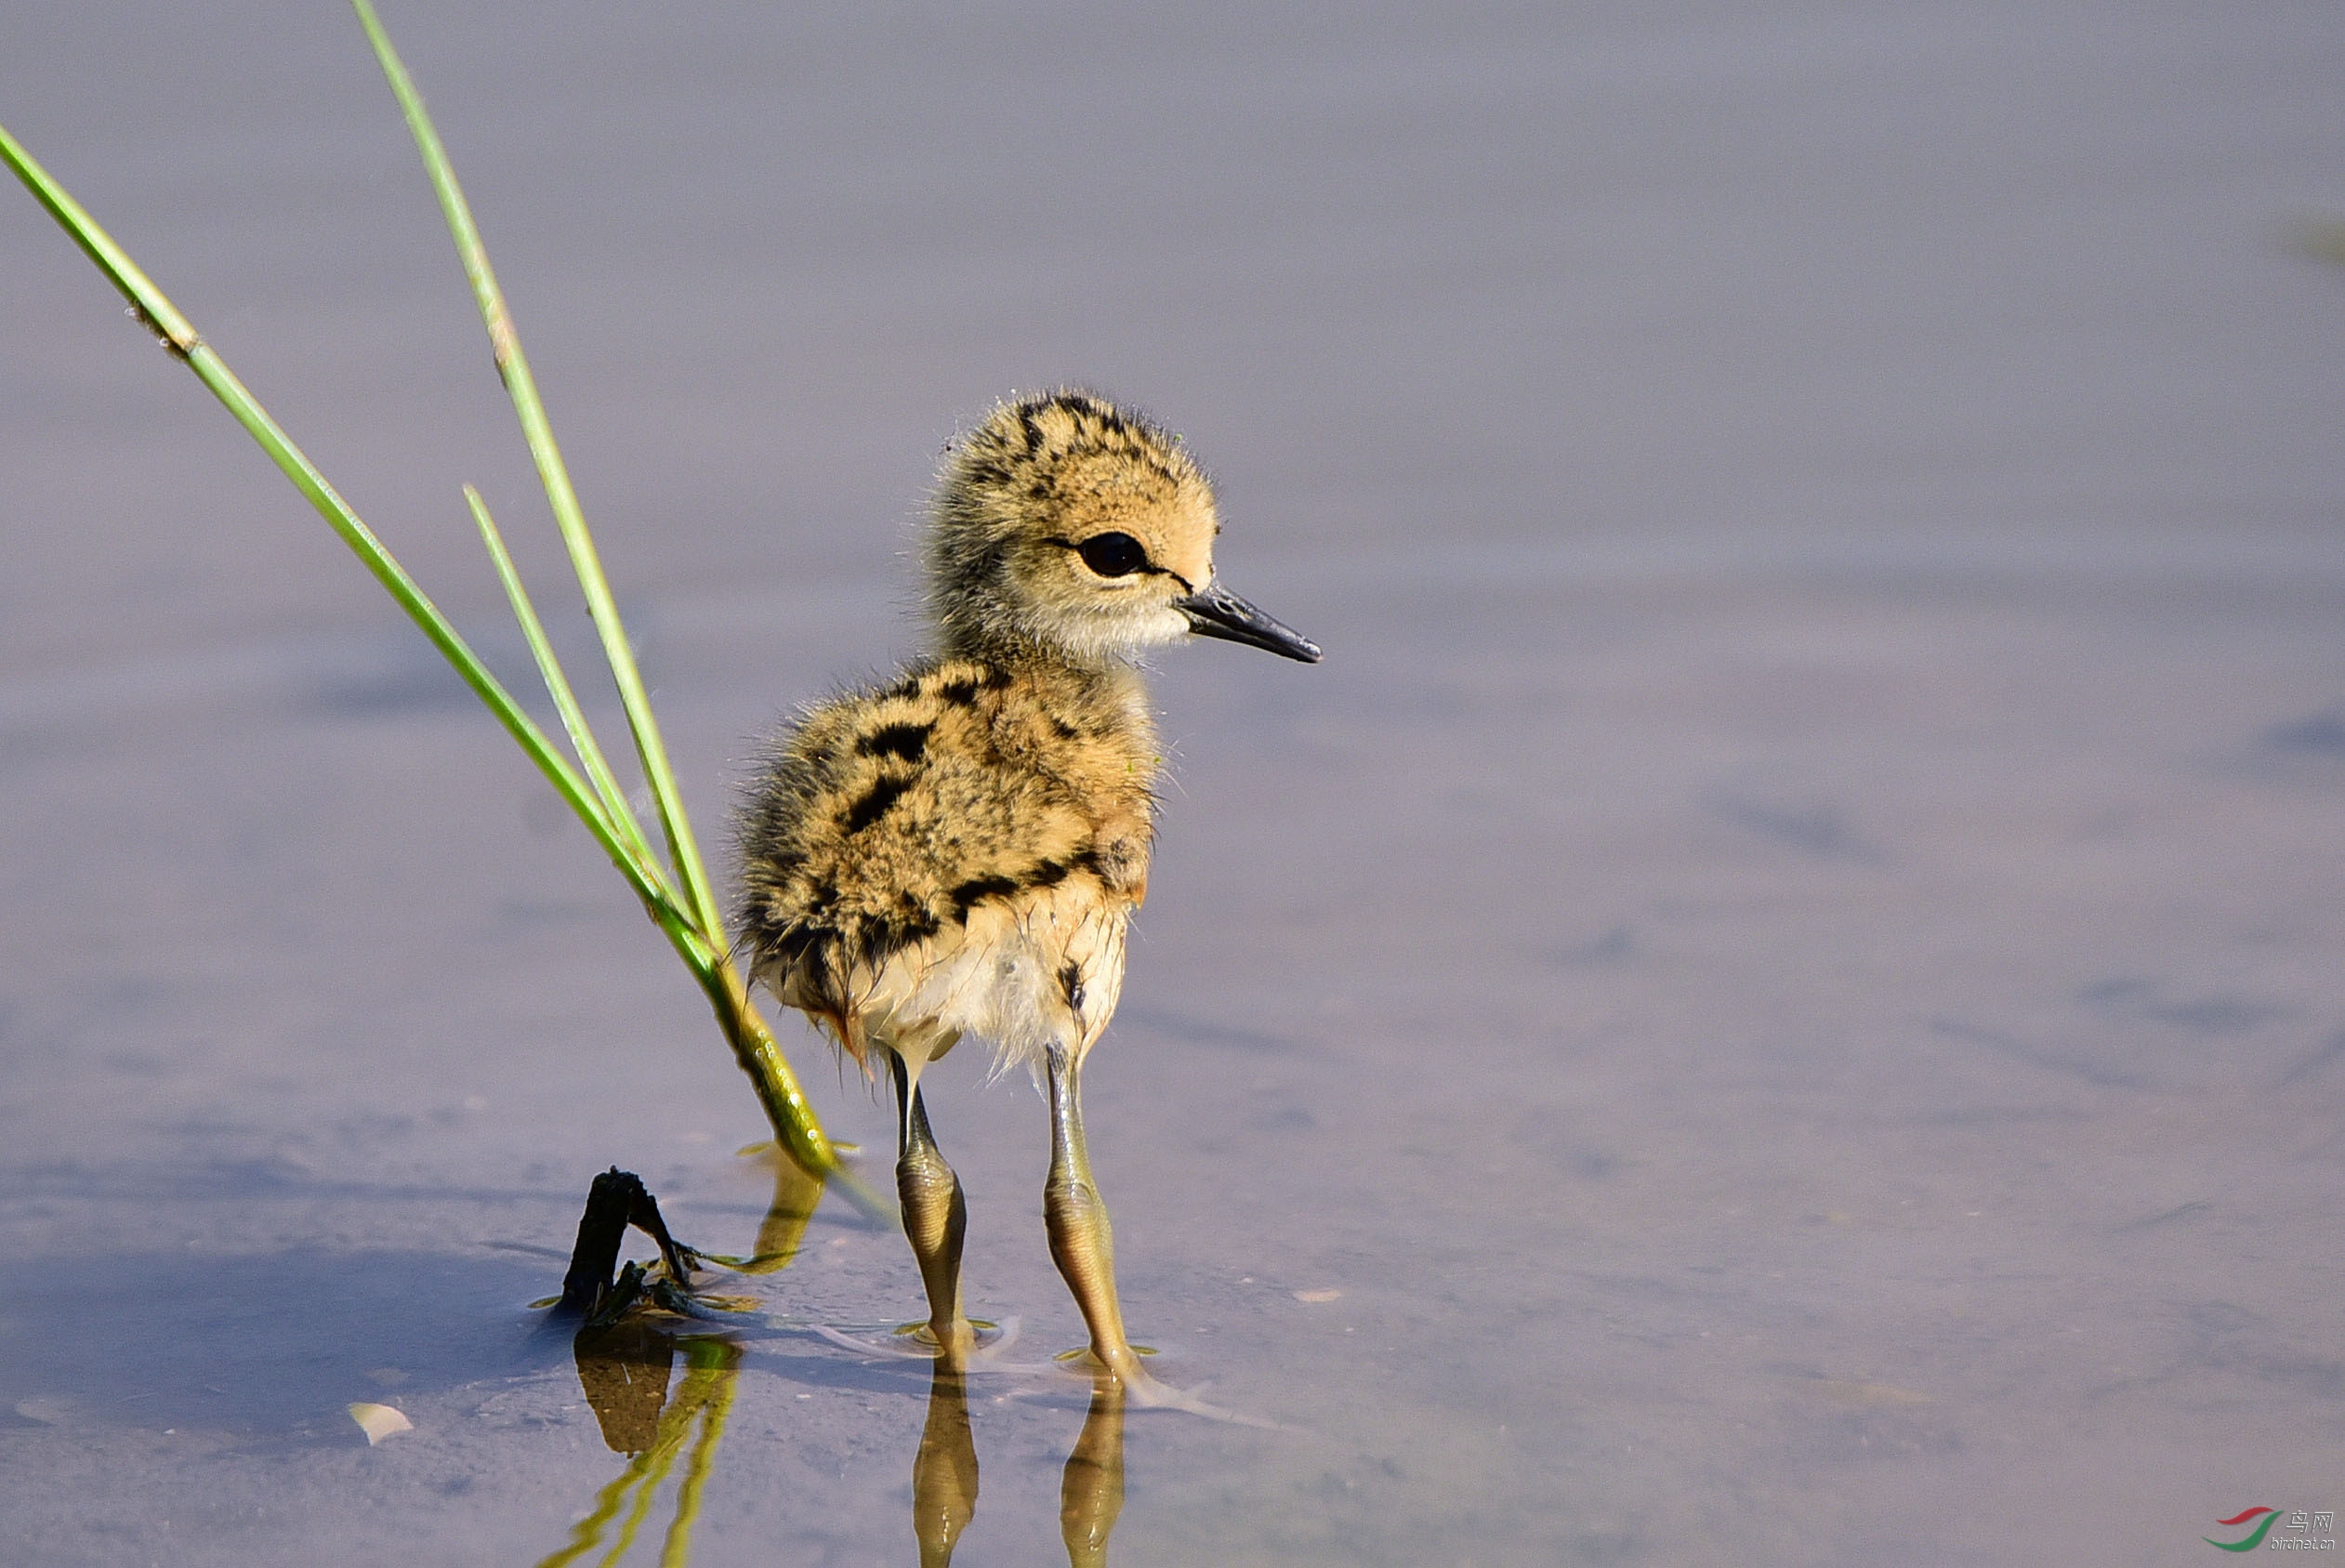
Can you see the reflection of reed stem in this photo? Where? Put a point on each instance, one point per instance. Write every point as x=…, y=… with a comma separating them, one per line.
x=783, y=1231
x=588, y=1533
x=706, y=1396
x=710, y=1385
x=655, y=1465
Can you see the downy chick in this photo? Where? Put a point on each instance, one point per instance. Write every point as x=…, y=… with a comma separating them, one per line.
x=959, y=852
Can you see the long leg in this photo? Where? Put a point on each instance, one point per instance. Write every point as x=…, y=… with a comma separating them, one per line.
x=934, y=1215
x=1081, y=1243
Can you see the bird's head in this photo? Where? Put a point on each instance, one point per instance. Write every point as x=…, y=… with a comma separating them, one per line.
x=1067, y=527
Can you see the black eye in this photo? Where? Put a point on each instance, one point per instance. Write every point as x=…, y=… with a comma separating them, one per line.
x=1113, y=555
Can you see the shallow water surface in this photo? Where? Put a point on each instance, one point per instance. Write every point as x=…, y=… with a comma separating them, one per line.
x=1775, y=999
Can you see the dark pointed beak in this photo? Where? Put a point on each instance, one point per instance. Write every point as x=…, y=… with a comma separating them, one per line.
x=1218, y=613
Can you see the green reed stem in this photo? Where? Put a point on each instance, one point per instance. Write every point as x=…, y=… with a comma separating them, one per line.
x=680, y=898
x=180, y=338
x=512, y=368
x=754, y=1046
x=574, y=719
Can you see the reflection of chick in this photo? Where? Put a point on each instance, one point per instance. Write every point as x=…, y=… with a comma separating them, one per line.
x=958, y=853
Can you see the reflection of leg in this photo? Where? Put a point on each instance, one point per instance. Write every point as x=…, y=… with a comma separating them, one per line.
x=1081, y=1243
x=944, y=1473
x=934, y=1215
x=1091, y=1495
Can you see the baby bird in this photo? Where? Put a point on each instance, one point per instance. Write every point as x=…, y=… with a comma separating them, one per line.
x=958, y=853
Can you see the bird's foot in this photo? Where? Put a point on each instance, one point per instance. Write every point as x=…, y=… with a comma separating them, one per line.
x=1146, y=1391
x=917, y=1341
x=976, y=1337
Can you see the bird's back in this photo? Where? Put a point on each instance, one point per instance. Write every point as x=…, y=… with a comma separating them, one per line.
x=958, y=851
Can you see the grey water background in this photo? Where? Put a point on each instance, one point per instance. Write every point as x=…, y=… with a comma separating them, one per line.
x=1787, y=966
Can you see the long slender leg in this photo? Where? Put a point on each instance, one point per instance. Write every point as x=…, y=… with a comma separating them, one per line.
x=934, y=1215
x=1081, y=1243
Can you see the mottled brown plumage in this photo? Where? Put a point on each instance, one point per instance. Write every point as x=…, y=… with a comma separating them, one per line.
x=909, y=841
x=959, y=852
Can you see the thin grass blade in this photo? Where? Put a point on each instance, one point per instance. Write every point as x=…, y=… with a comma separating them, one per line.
x=754, y=1046
x=574, y=719
x=512, y=366
x=179, y=336
x=688, y=917
x=146, y=300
